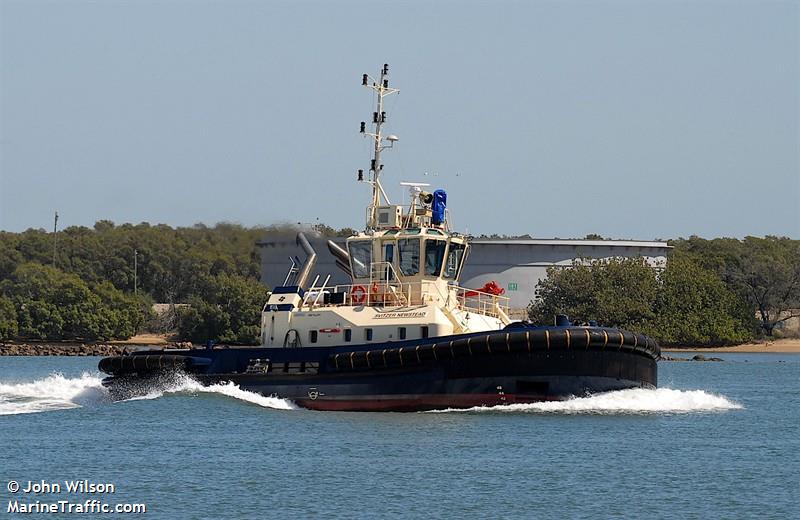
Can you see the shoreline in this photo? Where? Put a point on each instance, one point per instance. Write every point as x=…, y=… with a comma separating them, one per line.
x=152, y=341
x=780, y=346
x=62, y=349
x=76, y=348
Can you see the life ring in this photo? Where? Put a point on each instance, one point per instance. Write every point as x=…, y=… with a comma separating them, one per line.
x=359, y=294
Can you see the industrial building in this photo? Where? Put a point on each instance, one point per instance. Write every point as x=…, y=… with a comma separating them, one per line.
x=518, y=265
x=515, y=265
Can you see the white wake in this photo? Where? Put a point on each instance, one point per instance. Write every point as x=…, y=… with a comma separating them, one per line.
x=56, y=392
x=620, y=402
x=186, y=385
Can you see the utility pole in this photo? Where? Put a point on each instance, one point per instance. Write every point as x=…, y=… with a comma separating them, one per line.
x=135, y=272
x=55, y=238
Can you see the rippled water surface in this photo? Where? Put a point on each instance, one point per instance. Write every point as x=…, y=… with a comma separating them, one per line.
x=717, y=440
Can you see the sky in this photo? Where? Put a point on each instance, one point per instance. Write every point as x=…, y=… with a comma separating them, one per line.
x=630, y=119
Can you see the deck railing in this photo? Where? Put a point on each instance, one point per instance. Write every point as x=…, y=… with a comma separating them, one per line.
x=393, y=293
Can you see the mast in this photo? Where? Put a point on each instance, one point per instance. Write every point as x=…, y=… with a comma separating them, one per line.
x=55, y=238
x=379, y=197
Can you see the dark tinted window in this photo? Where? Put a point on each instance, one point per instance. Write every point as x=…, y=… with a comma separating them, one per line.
x=409, y=256
x=454, y=257
x=368, y=334
x=312, y=336
x=424, y=331
x=401, y=332
x=434, y=256
x=348, y=334
x=360, y=257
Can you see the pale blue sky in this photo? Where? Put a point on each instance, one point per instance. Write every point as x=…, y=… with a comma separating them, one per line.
x=625, y=118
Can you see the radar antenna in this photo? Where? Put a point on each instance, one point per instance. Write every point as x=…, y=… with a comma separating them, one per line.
x=379, y=197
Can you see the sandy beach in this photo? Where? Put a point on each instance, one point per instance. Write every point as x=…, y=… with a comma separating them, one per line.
x=144, y=339
x=780, y=346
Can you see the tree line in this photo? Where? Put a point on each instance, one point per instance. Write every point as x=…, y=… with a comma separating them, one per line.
x=100, y=283
x=711, y=292
x=90, y=287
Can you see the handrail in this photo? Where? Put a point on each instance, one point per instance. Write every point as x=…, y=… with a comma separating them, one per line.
x=320, y=291
x=292, y=270
x=389, y=280
x=381, y=291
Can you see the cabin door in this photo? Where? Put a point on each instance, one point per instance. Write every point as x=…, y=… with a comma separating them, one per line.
x=388, y=257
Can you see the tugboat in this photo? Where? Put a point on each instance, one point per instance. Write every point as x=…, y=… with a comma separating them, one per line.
x=404, y=335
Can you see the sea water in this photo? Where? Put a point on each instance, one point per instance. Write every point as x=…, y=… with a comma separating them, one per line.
x=716, y=440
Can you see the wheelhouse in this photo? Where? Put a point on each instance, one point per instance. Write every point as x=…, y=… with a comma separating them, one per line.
x=407, y=255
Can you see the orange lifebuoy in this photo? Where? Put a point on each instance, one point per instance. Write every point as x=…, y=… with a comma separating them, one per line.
x=359, y=294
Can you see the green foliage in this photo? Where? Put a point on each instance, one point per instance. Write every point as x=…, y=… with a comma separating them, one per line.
x=694, y=307
x=10, y=257
x=686, y=304
x=172, y=262
x=764, y=272
x=202, y=321
x=8, y=319
x=52, y=305
x=121, y=315
x=229, y=312
x=617, y=293
x=89, y=295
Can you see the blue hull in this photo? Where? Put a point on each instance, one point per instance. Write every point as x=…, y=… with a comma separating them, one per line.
x=508, y=366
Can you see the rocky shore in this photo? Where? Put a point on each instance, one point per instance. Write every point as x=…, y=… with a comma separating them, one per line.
x=698, y=357
x=55, y=349
x=773, y=346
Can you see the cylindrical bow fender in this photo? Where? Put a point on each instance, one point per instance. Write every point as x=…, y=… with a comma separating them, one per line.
x=511, y=341
x=121, y=365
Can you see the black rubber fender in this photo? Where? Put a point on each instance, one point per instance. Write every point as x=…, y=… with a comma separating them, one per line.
x=511, y=341
x=143, y=363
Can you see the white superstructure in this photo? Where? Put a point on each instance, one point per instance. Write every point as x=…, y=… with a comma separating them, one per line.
x=404, y=268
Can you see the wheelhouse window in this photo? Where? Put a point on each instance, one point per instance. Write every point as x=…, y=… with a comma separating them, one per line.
x=434, y=256
x=455, y=255
x=409, y=256
x=360, y=257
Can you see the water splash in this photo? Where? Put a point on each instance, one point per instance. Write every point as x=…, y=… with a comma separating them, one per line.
x=55, y=392
x=621, y=402
x=183, y=384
